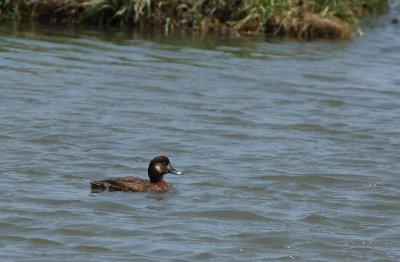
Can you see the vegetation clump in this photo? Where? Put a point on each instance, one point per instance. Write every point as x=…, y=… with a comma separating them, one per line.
x=303, y=19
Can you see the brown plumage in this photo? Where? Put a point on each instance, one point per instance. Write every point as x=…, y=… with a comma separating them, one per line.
x=158, y=167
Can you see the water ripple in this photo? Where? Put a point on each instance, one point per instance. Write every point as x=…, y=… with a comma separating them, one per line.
x=289, y=149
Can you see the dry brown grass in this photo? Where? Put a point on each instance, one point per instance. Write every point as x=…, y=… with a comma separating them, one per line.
x=307, y=25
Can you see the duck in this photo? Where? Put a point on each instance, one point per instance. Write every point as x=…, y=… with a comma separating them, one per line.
x=158, y=167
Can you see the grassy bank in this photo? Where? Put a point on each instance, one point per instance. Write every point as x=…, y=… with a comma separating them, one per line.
x=303, y=19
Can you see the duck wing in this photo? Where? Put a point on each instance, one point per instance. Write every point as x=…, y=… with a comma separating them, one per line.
x=134, y=184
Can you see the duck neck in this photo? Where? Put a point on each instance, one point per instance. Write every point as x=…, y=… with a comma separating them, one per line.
x=156, y=179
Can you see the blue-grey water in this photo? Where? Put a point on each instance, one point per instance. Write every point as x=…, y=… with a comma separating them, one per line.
x=290, y=149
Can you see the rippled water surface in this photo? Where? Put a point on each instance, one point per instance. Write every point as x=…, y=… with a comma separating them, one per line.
x=290, y=150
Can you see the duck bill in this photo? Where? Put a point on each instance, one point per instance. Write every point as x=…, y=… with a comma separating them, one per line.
x=174, y=171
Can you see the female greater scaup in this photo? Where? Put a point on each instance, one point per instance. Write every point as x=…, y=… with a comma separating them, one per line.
x=158, y=167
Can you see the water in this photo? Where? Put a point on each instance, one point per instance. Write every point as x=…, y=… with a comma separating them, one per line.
x=290, y=150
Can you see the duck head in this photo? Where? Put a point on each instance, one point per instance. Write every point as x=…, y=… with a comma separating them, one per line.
x=158, y=167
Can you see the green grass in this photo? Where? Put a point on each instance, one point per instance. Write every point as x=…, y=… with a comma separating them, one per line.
x=293, y=18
